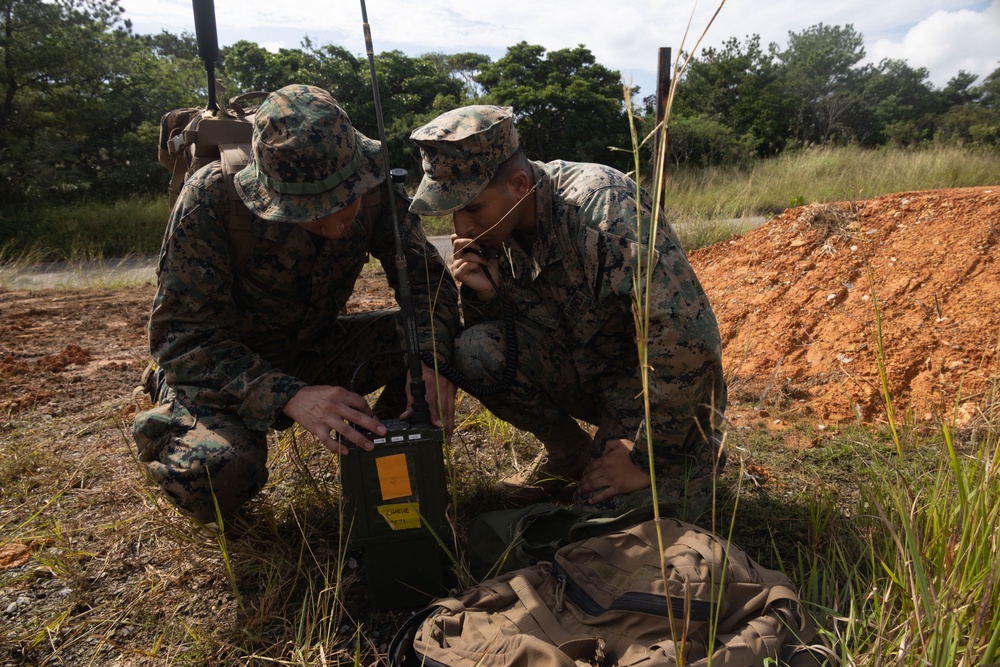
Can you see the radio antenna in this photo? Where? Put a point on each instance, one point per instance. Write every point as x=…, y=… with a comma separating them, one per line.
x=421, y=411
x=208, y=43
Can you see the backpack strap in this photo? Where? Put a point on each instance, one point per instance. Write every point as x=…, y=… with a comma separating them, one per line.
x=400, y=652
x=586, y=649
x=240, y=220
x=372, y=203
x=239, y=104
x=539, y=610
x=171, y=148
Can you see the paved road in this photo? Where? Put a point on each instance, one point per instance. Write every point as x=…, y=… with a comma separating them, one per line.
x=139, y=269
x=109, y=271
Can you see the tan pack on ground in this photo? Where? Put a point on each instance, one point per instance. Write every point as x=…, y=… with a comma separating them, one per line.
x=603, y=602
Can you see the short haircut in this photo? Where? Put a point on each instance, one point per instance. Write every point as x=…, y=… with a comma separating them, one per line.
x=516, y=162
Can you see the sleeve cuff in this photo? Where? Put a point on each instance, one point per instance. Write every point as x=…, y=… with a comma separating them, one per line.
x=263, y=405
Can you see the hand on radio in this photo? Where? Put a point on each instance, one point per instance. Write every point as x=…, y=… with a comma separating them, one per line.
x=440, y=394
x=323, y=410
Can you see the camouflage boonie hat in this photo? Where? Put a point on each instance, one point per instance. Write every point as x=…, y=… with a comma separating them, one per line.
x=460, y=152
x=306, y=159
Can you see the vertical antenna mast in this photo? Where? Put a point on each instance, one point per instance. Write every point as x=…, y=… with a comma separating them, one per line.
x=421, y=411
x=208, y=43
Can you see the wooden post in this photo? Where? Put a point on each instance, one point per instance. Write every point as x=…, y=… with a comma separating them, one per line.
x=662, y=94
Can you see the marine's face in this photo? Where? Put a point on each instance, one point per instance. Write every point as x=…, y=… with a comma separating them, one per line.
x=334, y=226
x=489, y=218
x=496, y=212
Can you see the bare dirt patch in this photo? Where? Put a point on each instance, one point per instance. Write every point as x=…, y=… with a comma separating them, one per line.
x=795, y=300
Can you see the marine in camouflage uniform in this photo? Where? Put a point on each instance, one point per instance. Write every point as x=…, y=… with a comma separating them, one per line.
x=572, y=245
x=244, y=346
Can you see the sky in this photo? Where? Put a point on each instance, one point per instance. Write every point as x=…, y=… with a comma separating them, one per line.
x=943, y=36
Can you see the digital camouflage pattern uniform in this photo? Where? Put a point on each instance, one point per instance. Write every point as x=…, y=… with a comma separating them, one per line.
x=235, y=343
x=574, y=289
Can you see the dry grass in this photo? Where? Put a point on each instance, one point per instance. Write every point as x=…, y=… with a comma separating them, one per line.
x=117, y=576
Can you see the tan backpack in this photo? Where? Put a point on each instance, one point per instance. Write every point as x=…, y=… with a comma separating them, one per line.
x=192, y=138
x=603, y=602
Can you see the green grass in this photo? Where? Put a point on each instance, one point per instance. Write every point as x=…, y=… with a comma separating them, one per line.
x=926, y=586
x=132, y=226
x=437, y=226
x=894, y=553
x=891, y=535
x=14, y=260
x=697, y=199
x=78, y=270
x=821, y=175
x=892, y=550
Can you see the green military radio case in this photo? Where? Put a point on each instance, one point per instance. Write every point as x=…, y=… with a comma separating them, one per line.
x=395, y=500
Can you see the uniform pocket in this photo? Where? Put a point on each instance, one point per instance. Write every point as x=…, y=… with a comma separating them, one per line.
x=581, y=318
x=155, y=427
x=531, y=307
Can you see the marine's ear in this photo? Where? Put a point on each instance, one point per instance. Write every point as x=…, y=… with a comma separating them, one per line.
x=520, y=182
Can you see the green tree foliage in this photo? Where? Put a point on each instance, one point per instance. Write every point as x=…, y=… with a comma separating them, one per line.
x=249, y=66
x=567, y=105
x=960, y=90
x=898, y=106
x=741, y=87
x=699, y=141
x=155, y=80
x=412, y=90
x=466, y=66
x=989, y=92
x=974, y=119
x=82, y=97
x=344, y=75
x=818, y=69
x=57, y=61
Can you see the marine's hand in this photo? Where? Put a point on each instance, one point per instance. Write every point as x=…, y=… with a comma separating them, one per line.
x=613, y=473
x=440, y=394
x=322, y=410
x=467, y=267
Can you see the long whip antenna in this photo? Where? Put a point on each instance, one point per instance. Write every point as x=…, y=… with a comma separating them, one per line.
x=421, y=411
x=208, y=43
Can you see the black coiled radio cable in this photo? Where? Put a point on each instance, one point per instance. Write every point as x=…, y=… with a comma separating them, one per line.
x=460, y=380
x=510, y=338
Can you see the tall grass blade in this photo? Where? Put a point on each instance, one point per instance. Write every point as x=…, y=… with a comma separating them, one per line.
x=880, y=361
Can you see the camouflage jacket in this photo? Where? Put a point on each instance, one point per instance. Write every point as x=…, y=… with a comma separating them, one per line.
x=579, y=281
x=225, y=339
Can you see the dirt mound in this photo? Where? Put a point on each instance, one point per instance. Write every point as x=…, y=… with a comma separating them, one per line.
x=796, y=303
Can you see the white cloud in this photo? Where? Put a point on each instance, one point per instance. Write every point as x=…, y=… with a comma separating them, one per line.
x=942, y=35
x=948, y=41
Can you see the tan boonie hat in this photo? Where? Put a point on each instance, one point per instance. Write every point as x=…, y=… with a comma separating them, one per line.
x=306, y=159
x=460, y=152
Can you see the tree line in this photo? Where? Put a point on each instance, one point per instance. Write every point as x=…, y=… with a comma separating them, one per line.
x=83, y=95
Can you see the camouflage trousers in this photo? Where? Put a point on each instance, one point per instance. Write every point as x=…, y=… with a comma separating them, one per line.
x=558, y=383
x=206, y=459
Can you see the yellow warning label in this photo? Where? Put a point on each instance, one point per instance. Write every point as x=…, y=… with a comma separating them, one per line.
x=401, y=516
x=393, y=476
